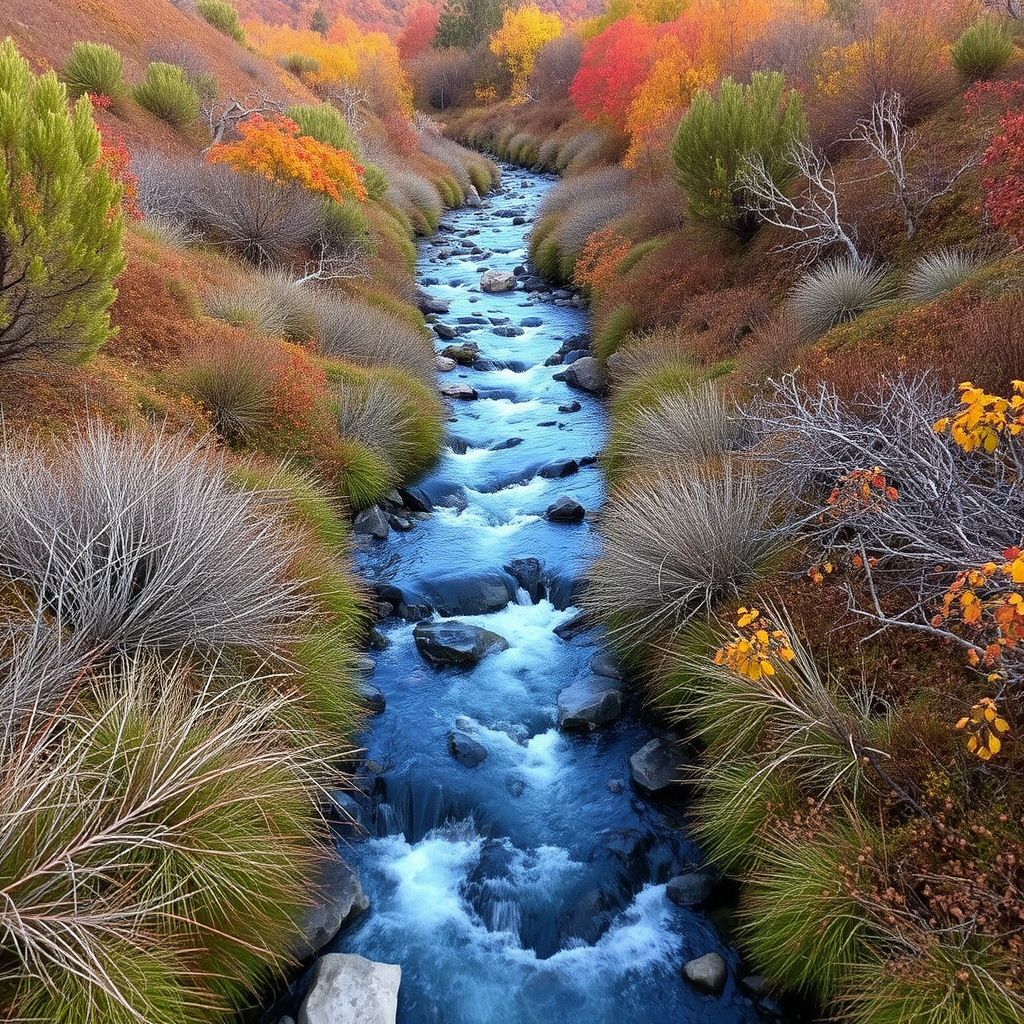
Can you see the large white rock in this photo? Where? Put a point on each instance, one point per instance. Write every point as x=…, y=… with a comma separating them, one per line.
x=349, y=989
x=497, y=281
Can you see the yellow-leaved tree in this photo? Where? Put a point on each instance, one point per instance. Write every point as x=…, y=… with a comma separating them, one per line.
x=523, y=32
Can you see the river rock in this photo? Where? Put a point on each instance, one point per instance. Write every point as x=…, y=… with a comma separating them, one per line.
x=427, y=303
x=496, y=281
x=565, y=510
x=558, y=469
x=604, y=663
x=466, y=750
x=373, y=522
x=446, y=332
x=445, y=365
x=586, y=374
x=339, y=899
x=706, y=974
x=455, y=643
x=476, y=594
x=349, y=989
x=527, y=574
x=465, y=355
x=655, y=766
x=471, y=197
x=589, y=703
x=691, y=889
x=459, y=391
x=416, y=499
x=373, y=699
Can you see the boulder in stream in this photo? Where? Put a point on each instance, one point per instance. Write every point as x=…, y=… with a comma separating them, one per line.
x=586, y=374
x=455, y=643
x=349, y=989
x=589, y=703
x=655, y=766
x=340, y=899
x=466, y=750
x=691, y=889
x=460, y=391
x=706, y=973
x=496, y=281
x=565, y=510
x=372, y=522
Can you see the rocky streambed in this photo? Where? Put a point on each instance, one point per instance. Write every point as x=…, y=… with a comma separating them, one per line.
x=521, y=835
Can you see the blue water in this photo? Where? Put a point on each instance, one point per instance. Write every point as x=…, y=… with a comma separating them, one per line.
x=530, y=888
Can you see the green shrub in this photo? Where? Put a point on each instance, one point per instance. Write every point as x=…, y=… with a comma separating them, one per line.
x=938, y=272
x=222, y=16
x=167, y=93
x=325, y=124
x=416, y=196
x=361, y=476
x=60, y=222
x=299, y=64
x=716, y=135
x=375, y=182
x=618, y=325
x=983, y=50
x=94, y=68
x=675, y=544
x=836, y=293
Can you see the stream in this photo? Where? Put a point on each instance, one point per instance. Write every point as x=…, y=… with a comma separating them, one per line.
x=530, y=887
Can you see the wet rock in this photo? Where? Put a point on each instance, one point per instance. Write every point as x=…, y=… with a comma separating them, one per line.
x=655, y=766
x=531, y=321
x=466, y=750
x=586, y=374
x=471, y=197
x=589, y=703
x=445, y=365
x=571, y=407
x=515, y=786
x=496, y=281
x=372, y=698
x=556, y=360
x=507, y=332
x=579, y=623
x=377, y=641
x=341, y=808
x=509, y=443
x=400, y=523
x=604, y=663
x=558, y=469
x=527, y=574
x=565, y=510
x=475, y=594
x=459, y=392
x=465, y=354
x=707, y=973
x=754, y=985
x=445, y=644
x=364, y=665
x=349, y=989
x=615, y=785
x=372, y=522
x=340, y=899
x=691, y=889
x=427, y=303
x=446, y=332
x=518, y=221
x=588, y=919
x=416, y=499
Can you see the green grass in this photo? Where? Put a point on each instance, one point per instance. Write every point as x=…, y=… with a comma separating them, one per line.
x=168, y=94
x=983, y=50
x=95, y=68
x=618, y=325
x=222, y=16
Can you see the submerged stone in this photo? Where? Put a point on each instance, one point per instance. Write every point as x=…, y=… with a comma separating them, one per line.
x=459, y=644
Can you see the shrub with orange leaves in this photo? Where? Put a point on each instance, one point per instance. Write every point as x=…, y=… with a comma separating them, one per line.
x=600, y=257
x=984, y=727
x=275, y=148
x=861, y=490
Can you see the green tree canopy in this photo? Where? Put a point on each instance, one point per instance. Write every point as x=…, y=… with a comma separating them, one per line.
x=60, y=220
x=465, y=23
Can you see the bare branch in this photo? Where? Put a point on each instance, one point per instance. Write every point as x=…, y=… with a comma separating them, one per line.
x=224, y=116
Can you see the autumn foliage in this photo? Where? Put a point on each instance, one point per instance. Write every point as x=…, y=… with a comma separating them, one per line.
x=1004, y=181
x=275, y=148
x=523, y=32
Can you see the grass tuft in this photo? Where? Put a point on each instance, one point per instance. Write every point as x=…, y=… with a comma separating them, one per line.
x=94, y=68
x=937, y=273
x=836, y=293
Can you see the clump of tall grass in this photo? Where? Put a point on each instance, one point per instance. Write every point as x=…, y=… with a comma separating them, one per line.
x=675, y=545
x=353, y=330
x=271, y=303
x=836, y=293
x=234, y=384
x=416, y=196
x=94, y=68
x=223, y=16
x=938, y=272
x=132, y=542
x=983, y=50
x=166, y=92
x=326, y=124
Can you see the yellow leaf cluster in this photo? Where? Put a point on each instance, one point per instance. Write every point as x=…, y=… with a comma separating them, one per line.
x=756, y=648
x=984, y=726
x=985, y=419
x=523, y=32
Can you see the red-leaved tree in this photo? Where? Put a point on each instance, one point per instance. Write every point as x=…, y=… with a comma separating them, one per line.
x=1003, y=185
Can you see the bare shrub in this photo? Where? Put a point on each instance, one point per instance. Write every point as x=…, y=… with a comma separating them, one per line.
x=674, y=545
x=447, y=152
x=555, y=68
x=354, y=330
x=133, y=542
x=270, y=302
x=442, y=78
x=576, y=189
x=167, y=186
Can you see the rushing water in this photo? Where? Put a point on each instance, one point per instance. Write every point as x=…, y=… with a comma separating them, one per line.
x=530, y=888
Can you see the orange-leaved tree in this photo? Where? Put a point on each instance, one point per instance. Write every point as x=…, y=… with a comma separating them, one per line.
x=275, y=148
x=523, y=32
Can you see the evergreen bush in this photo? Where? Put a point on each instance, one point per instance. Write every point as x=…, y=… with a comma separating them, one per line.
x=94, y=68
x=167, y=93
x=60, y=220
x=718, y=133
x=222, y=16
x=324, y=123
x=982, y=51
